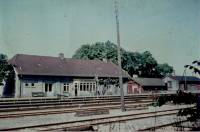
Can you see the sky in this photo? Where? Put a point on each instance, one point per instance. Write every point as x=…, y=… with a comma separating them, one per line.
x=169, y=29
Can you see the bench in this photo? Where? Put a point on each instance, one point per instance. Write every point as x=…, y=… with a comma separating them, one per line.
x=62, y=95
x=91, y=112
x=38, y=94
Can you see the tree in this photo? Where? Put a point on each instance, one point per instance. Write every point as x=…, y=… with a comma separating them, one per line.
x=83, y=52
x=131, y=62
x=7, y=74
x=99, y=51
x=148, y=65
x=164, y=69
x=3, y=68
x=135, y=63
x=194, y=67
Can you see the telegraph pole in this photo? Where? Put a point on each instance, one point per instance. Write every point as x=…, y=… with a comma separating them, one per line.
x=119, y=58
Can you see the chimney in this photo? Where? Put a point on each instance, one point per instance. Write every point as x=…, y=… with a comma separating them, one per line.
x=61, y=56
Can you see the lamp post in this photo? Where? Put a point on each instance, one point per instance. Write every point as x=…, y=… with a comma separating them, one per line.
x=119, y=58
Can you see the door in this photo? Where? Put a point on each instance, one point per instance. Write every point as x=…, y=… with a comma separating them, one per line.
x=130, y=88
x=76, y=89
x=48, y=89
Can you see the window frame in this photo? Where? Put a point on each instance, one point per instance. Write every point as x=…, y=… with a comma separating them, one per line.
x=66, y=87
x=169, y=84
x=94, y=86
x=81, y=86
x=48, y=87
x=26, y=84
x=91, y=87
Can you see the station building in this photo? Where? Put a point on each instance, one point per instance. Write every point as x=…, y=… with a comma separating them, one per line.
x=187, y=83
x=52, y=76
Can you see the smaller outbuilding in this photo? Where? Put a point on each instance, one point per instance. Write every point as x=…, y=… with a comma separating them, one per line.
x=187, y=83
x=141, y=85
x=134, y=87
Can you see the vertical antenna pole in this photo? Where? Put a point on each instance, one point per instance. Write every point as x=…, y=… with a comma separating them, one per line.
x=119, y=59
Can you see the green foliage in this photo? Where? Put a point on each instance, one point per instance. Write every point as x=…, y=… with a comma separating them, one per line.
x=4, y=68
x=184, y=98
x=148, y=65
x=108, y=81
x=162, y=100
x=135, y=63
x=194, y=66
x=84, y=52
x=181, y=97
x=131, y=62
x=164, y=69
x=191, y=113
x=7, y=74
x=98, y=51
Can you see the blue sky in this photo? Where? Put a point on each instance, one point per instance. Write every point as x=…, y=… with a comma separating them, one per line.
x=170, y=29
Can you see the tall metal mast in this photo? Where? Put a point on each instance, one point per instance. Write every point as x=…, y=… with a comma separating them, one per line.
x=119, y=58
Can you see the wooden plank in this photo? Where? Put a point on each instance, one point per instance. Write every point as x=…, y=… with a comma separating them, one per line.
x=92, y=112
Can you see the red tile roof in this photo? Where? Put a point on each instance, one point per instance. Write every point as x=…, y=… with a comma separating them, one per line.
x=55, y=66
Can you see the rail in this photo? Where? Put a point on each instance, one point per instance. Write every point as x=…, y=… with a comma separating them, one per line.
x=94, y=121
x=66, y=105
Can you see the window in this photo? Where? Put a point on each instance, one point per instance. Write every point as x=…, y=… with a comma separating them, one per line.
x=94, y=86
x=90, y=86
x=32, y=84
x=76, y=85
x=84, y=87
x=66, y=87
x=26, y=84
x=48, y=87
x=87, y=87
x=169, y=84
x=81, y=87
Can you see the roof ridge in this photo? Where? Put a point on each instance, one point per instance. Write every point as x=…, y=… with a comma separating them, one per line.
x=70, y=66
x=184, y=76
x=148, y=77
x=64, y=58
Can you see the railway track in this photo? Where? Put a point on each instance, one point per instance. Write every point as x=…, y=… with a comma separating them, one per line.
x=162, y=126
x=32, y=99
x=47, y=103
x=92, y=121
x=5, y=105
x=67, y=103
x=129, y=106
x=35, y=100
x=68, y=106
